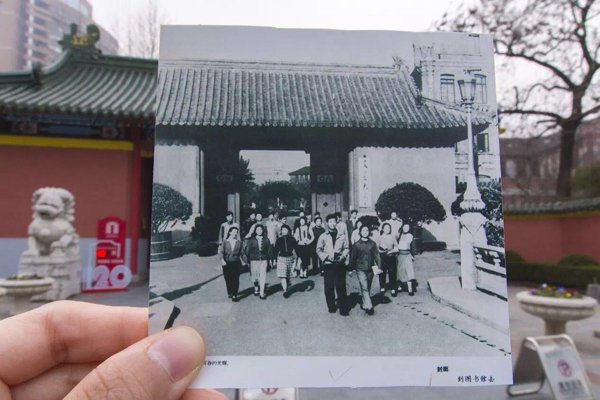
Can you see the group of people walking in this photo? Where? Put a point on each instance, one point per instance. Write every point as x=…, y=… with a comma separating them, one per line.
x=333, y=249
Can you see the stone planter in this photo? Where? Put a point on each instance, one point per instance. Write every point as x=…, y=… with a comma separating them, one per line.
x=556, y=312
x=23, y=290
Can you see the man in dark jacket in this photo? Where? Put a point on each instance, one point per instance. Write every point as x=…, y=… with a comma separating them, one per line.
x=351, y=223
x=318, y=230
x=332, y=248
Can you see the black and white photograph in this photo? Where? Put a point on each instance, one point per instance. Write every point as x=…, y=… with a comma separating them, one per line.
x=327, y=207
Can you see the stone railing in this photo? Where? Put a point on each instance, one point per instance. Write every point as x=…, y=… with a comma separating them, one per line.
x=490, y=266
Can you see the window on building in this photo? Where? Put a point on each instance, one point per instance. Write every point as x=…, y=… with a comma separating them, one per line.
x=39, y=32
x=447, y=92
x=39, y=21
x=480, y=89
x=42, y=4
x=483, y=142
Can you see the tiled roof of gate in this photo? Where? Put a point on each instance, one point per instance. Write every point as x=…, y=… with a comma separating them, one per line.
x=556, y=207
x=84, y=83
x=227, y=93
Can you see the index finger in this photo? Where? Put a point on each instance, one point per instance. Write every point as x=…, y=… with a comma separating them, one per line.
x=66, y=332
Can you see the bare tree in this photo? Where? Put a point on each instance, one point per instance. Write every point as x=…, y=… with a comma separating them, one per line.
x=139, y=31
x=561, y=40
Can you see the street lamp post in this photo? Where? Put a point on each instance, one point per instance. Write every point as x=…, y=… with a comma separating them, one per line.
x=471, y=219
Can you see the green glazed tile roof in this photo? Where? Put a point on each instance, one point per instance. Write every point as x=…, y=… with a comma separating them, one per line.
x=84, y=84
x=227, y=93
x=556, y=207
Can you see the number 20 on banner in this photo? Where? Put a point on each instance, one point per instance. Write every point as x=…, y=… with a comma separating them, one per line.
x=117, y=277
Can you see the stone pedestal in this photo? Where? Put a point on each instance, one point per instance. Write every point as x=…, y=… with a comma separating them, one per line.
x=64, y=269
x=470, y=223
x=23, y=289
x=556, y=312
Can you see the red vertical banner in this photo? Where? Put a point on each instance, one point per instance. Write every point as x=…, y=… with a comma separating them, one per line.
x=109, y=271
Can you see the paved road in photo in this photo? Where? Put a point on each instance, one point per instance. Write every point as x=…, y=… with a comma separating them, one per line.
x=301, y=325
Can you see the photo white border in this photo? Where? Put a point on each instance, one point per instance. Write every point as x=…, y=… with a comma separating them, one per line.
x=306, y=372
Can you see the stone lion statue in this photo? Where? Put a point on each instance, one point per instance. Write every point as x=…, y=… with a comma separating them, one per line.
x=51, y=233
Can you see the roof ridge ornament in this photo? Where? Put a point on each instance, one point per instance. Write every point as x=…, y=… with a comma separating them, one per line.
x=36, y=75
x=86, y=42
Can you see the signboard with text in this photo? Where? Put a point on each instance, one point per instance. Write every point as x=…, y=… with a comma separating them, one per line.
x=555, y=359
x=108, y=271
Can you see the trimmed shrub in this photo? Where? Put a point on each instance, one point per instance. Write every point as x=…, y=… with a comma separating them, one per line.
x=168, y=205
x=513, y=257
x=577, y=259
x=412, y=202
x=369, y=220
x=574, y=276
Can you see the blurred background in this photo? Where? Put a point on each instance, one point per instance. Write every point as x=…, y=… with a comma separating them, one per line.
x=77, y=110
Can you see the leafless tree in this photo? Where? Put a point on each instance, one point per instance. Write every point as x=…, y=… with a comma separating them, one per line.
x=139, y=31
x=560, y=39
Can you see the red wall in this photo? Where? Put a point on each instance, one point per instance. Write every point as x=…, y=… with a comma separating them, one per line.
x=99, y=180
x=549, y=238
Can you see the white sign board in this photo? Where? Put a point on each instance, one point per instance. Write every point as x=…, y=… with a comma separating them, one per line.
x=554, y=358
x=565, y=371
x=364, y=182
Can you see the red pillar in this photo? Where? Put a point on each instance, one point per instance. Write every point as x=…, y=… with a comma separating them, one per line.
x=136, y=196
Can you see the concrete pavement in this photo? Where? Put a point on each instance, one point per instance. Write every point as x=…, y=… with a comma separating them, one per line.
x=301, y=326
x=521, y=325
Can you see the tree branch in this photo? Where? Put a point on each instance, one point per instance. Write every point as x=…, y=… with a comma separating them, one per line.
x=557, y=71
x=552, y=115
x=591, y=111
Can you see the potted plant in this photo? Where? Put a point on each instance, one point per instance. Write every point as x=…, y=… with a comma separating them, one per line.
x=556, y=306
x=23, y=286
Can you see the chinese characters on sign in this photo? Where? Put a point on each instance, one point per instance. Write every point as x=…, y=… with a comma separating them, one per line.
x=565, y=373
x=364, y=182
x=109, y=270
x=475, y=379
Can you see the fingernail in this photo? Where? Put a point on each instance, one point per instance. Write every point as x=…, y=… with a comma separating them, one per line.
x=178, y=352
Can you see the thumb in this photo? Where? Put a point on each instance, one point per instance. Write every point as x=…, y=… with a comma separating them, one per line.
x=159, y=367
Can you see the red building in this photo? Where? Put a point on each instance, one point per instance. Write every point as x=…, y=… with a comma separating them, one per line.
x=85, y=124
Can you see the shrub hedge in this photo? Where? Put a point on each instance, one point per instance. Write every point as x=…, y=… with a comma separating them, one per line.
x=577, y=259
x=572, y=276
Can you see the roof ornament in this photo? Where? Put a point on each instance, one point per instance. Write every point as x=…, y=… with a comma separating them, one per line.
x=398, y=63
x=36, y=75
x=87, y=41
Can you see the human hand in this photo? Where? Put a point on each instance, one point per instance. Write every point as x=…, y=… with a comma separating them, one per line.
x=77, y=350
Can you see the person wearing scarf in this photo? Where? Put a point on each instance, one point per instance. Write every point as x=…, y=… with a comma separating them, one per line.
x=304, y=238
x=257, y=252
x=388, y=250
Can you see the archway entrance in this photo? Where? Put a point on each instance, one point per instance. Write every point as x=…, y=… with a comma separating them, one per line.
x=274, y=182
x=287, y=176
